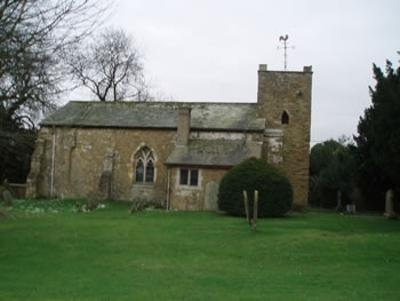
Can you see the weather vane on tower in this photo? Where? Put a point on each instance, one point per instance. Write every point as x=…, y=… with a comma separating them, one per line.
x=284, y=40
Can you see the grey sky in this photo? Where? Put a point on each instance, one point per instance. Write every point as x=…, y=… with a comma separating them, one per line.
x=210, y=50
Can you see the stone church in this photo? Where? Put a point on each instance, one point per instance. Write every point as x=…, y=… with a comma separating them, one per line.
x=174, y=153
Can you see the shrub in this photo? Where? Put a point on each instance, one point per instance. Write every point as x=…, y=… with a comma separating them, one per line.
x=275, y=191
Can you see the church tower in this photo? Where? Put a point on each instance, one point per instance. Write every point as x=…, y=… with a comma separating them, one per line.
x=284, y=100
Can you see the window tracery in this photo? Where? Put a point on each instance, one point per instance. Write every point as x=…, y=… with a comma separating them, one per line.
x=144, y=168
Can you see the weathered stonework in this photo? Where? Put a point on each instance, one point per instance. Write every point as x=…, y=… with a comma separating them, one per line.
x=90, y=148
x=83, y=156
x=201, y=197
x=291, y=92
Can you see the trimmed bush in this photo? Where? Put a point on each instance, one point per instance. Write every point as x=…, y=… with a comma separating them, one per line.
x=275, y=191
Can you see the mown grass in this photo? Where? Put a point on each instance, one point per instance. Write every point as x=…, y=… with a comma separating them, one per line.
x=156, y=255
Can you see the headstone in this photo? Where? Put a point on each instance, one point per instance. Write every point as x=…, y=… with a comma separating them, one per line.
x=389, y=211
x=7, y=197
x=339, y=206
x=351, y=208
x=211, y=196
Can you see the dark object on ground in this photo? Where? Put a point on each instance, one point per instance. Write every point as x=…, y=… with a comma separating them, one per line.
x=138, y=205
x=142, y=204
x=92, y=205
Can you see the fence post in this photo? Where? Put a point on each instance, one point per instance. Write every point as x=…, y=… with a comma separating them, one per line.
x=255, y=210
x=246, y=206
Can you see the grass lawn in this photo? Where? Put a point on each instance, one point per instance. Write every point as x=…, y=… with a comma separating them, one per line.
x=56, y=254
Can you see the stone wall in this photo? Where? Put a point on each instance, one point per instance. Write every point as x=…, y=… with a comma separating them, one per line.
x=93, y=161
x=100, y=162
x=290, y=92
x=201, y=197
x=80, y=162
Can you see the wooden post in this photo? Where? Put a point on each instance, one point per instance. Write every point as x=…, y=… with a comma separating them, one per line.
x=255, y=210
x=246, y=206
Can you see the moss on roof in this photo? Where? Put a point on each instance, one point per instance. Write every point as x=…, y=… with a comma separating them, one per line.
x=224, y=116
x=218, y=152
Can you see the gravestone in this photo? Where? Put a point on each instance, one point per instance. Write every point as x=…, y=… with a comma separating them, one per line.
x=339, y=206
x=7, y=197
x=211, y=196
x=351, y=208
x=389, y=211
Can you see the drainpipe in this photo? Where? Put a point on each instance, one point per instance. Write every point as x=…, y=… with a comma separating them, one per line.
x=168, y=186
x=53, y=161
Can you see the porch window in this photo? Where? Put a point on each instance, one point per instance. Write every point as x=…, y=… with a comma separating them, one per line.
x=189, y=177
x=184, y=177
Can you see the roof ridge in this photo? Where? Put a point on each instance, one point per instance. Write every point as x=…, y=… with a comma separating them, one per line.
x=161, y=102
x=211, y=116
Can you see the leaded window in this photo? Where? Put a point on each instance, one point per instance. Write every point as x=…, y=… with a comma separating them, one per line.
x=189, y=177
x=144, y=168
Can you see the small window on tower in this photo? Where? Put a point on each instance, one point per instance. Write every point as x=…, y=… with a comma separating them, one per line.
x=285, y=118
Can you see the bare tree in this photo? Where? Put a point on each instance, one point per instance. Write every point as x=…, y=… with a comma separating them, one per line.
x=110, y=66
x=32, y=35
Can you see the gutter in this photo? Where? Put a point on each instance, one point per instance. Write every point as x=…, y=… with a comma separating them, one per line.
x=168, y=187
x=162, y=128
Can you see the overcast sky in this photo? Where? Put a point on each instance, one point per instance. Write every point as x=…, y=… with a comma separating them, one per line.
x=209, y=50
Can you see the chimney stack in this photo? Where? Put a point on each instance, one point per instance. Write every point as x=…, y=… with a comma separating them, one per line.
x=183, y=125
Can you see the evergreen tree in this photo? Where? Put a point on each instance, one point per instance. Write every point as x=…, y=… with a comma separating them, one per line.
x=378, y=140
x=331, y=170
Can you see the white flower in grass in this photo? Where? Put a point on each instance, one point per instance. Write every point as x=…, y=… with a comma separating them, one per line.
x=37, y=210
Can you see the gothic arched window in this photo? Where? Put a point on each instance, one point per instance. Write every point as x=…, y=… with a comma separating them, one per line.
x=285, y=118
x=144, y=168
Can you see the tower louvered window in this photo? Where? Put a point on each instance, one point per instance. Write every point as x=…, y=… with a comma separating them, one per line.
x=285, y=118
